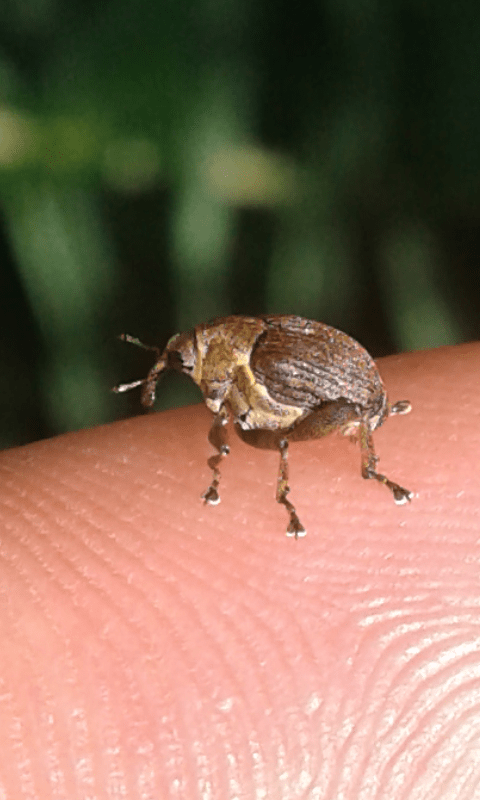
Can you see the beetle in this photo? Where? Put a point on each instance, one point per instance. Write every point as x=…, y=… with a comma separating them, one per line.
x=284, y=379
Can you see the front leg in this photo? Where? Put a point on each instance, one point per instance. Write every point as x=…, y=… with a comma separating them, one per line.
x=218, y=437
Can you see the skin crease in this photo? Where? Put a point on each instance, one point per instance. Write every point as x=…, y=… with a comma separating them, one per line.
x=155, y=647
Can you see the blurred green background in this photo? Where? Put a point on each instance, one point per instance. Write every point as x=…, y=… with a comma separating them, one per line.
x=163, y=163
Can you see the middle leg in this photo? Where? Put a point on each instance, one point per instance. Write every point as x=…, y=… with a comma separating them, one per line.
x=295, y=527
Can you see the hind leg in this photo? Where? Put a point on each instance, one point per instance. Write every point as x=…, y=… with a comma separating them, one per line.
x=369, y=467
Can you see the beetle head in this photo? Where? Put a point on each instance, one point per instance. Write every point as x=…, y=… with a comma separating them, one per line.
x=180, y=354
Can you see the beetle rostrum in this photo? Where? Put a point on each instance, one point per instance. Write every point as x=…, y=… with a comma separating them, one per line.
x=283, y=379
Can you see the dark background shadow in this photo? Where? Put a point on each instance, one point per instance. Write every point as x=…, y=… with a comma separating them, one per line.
x=164, y=163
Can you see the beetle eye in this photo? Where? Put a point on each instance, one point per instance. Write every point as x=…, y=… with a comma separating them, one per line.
x=176, y=362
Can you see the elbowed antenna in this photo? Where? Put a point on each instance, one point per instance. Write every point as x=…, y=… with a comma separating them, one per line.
x=125, y=337
x=150, y=382
x=125, y=387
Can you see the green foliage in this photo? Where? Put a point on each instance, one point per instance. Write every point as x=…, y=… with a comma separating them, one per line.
x=163, y=163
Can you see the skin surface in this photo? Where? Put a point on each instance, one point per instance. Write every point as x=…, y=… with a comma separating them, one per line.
x=155, y=647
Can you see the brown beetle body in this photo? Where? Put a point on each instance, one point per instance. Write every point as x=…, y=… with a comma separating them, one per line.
x=283, y=378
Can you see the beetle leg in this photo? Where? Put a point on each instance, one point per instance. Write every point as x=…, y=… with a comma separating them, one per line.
x=323, y=420
x=150, y=382
x=369, y=465
x=337, y=415
x=218, y=437
x=273, y=440
x=401, y=407
x=295, y=527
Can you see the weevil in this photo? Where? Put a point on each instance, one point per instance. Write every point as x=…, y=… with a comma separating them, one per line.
x=283, y=379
